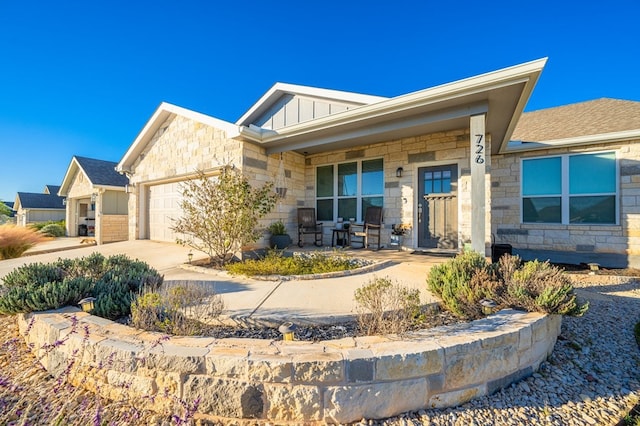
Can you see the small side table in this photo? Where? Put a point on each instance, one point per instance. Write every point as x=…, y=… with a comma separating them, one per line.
x=342, y=235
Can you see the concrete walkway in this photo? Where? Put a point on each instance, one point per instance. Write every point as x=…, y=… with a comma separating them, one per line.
x=254, y=301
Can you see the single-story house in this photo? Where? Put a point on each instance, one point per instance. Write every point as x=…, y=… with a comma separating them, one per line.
x=34, y=207
x=443, y=161
x=96, y=200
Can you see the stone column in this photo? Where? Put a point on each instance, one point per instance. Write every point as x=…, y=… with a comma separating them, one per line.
x=478, y=176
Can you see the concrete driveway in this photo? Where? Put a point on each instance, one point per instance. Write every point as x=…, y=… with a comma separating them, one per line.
x=255, y=301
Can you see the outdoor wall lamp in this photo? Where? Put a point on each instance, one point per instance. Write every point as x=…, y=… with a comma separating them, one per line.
x=93, y=197
x=399, y=171
x=190, y=256
x=87, y=303
x=64, y=201
x=487, y=306
x=287, y=329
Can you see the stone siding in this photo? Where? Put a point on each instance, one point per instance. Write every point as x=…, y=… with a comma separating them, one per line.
x=114, y=228
x=176, y=151
x=609, y=245
x=336, y=381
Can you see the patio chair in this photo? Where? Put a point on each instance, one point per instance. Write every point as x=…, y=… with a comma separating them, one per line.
x=370, y=228
x=307, y=224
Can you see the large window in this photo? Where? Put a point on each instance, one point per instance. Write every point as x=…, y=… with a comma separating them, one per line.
x=570, y=189
x=347, y=189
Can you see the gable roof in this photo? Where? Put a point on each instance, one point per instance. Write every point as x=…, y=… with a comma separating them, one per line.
x=51, y=189
x=501, y=94
x=100, y=173
x=271, y=97
x=30, y=200
x=159, y=117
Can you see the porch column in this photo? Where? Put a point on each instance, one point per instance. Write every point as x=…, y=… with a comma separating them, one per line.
x=478, y=170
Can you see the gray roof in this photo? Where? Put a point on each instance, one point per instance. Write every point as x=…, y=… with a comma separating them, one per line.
x=53, y=189
x=594, y=117
x=102, y=172
x=30, y=200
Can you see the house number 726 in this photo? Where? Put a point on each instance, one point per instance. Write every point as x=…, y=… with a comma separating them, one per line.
x=479, y=151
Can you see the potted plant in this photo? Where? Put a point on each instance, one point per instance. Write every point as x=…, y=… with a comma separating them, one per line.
x=397, y=233
x=279, y=238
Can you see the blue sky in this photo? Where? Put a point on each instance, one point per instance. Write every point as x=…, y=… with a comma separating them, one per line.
x=82, y=78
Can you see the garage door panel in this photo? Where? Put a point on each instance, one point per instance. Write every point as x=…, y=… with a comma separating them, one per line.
x=164, y=208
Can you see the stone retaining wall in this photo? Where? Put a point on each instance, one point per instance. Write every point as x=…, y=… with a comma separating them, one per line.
x=336, y=381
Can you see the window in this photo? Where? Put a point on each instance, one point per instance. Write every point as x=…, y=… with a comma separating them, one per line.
x=347, y=189
x=570, y=189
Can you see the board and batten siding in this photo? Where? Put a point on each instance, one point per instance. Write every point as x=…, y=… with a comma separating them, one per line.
x=291, y=109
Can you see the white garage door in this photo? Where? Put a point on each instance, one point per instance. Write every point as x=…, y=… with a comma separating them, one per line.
x=164, y=207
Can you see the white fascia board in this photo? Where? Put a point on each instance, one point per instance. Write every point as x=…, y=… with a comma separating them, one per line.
x=469, y=86
x=280, y=89
x=160, y=116
x=514, y=146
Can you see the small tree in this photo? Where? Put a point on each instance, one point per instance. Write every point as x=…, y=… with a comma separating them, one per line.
x=5, y=213
x=221, y=215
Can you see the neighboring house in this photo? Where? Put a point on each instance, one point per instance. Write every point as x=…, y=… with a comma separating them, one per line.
x=96, y=200
x=440, y=160
x=35, y=208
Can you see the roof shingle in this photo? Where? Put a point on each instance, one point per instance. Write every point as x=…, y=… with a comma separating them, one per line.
x=102, y=172
x=31, y=200
x=594, y=117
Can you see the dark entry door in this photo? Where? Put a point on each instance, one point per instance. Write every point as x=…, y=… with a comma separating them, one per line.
x=438, y=207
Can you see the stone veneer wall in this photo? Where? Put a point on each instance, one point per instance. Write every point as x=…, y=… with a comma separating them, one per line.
x=612, y=246
x=177, y=150
x=335, y=381
x=261, y=168
x=114, y=228
x=451, y=147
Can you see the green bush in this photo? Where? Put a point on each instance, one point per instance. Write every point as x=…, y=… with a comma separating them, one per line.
x=533, y=286
x=53, y=230
x=112, y=281
x=385, y=307
x=457, y=271
x=276, y=263
x=40, y=225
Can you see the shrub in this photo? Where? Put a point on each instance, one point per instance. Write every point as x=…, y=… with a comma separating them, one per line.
x=276, y=263
x=113, y=281
x=39, y=225
x=15, y=240
x=53, y=230
x=537, y=286
x=385, y=307
x=177, y=309
x=465, y=280
x=277, y=228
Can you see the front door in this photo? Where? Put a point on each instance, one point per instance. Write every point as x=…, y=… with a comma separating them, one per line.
x=438, y=207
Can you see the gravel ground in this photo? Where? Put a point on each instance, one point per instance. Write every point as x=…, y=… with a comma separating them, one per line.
x=592, y=378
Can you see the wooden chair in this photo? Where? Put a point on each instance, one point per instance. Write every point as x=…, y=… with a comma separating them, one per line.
x=371, y=227
x=307, y=224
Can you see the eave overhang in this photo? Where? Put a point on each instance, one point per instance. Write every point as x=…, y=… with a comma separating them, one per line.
x=523, y=146
x=501, y=94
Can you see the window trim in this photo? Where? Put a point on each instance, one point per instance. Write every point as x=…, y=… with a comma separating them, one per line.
x=565, y=196
x=359, y=196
